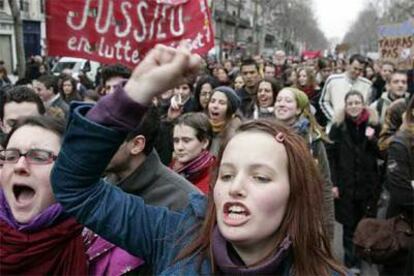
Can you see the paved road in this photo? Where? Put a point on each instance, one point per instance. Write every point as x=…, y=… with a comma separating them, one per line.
x=367, y=270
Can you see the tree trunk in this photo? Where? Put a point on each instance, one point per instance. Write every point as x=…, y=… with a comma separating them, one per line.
x=236, y=29
x=18, y=34
x=255, y=35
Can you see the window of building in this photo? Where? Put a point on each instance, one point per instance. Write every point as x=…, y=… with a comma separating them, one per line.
x=24, y=5
x=42, y=6
x=1, y=4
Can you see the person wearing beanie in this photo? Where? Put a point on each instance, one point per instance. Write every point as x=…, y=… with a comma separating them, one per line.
x=292, y=108
x=223, y=113
x=233, y=99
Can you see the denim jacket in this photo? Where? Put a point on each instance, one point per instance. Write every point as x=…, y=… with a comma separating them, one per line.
x=154, y=234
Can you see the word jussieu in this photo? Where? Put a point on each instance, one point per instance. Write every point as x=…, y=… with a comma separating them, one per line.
x=143, y=22
x=125, y=30
x=150, y=20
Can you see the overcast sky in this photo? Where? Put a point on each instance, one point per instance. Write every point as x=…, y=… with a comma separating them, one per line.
x=336, y=16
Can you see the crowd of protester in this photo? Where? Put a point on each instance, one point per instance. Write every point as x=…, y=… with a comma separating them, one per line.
x=160, y=166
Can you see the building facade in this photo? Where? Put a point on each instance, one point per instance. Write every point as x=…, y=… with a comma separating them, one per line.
x=240, y=27
x=34, y=30
x=248, y=26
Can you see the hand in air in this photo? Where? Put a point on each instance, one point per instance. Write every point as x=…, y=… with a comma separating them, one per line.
x=162, y=69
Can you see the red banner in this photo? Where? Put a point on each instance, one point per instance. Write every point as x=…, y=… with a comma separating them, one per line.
x=311, y=54
x=123, y=31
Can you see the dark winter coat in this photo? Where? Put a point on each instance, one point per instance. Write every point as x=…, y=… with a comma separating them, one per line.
x=354, y=169
x=400, y=174
x=247, y=103
x=400, y=180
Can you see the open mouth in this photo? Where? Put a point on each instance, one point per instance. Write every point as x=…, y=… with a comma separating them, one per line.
x=236, y=211
x=214, y=114
x=23, y=193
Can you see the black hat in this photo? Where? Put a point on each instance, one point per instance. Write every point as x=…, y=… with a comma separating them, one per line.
x=233, y=100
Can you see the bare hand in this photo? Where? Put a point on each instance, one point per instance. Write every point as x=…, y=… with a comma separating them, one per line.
x=335, y=192
x=176, y=108
x=162, y=69
x=369, y=132
x=174, y=113
x=176, y=102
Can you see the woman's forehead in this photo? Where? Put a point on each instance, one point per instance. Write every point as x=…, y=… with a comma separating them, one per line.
x=253, y=146
x=286, y=93
x=184, y=130
x=34, y=136
x=353, y=98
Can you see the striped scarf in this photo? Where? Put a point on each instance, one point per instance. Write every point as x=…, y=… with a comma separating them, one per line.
x=205, y=159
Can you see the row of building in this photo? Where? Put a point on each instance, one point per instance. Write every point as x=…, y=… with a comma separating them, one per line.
x=239, y=27
x=245, y=27
x=34, y=30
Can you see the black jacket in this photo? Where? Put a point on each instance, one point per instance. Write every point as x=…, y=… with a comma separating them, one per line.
x=247, y=103
x=400, y=174
x=354, y=168
x=378, y=87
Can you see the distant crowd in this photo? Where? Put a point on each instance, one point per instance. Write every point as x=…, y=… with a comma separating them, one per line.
x=355, y=118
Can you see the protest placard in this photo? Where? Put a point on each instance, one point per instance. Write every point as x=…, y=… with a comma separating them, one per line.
x=396, y=44
x=123, y=31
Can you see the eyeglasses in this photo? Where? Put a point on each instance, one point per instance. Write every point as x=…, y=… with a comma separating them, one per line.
x=33, y=156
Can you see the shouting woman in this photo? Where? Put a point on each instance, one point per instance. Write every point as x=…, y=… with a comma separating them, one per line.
x=262, y=216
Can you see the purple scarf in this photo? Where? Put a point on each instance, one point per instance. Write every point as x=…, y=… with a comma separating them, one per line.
x=41, y=221
x=229, y=263
x=106, y=258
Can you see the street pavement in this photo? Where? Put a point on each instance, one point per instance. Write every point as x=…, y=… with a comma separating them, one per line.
x=367, y=269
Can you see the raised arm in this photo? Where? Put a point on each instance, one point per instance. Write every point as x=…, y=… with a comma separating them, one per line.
x=94, y=135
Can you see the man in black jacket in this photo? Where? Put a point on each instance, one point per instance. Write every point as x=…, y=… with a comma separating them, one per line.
x=249, y=70
x=378, y=87
x=46, y=87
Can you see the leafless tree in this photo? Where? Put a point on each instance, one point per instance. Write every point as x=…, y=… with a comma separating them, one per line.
x=362, y=36
x=293, y=21
x=399, y=10
x=236, y=29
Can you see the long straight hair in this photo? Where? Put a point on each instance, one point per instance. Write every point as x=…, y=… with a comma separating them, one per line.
x=303, y=220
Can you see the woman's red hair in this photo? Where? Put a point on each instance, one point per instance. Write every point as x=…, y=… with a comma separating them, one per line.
x=303, y=220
